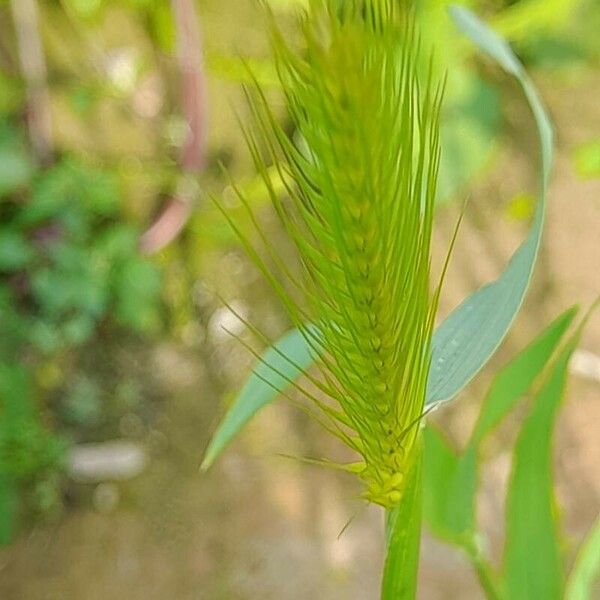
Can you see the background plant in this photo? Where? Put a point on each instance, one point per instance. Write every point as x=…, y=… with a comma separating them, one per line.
x=68, y=270
x=451, y=478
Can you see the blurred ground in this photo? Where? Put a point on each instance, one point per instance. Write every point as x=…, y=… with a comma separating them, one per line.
x=259, y=526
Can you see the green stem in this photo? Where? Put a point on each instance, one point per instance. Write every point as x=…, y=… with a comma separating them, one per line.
x=487, y=578
x=403, y=538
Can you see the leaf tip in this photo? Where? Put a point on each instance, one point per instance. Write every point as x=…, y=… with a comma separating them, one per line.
x=207, y=461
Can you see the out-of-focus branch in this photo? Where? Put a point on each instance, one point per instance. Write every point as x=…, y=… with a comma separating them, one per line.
x=193, y=90
x=33, y=67
x=193, y=98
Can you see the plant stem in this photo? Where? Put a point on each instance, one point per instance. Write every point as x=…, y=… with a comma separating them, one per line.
x=33, y=67
x=487, y=578
x=192, y=160
x=403, y=537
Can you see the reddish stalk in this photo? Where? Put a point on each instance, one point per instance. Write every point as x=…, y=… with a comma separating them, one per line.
x=192, y=158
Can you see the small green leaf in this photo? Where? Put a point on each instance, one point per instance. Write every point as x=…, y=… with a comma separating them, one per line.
x=450, y=483
x=280, y=364
x=532, y=556
x=517, y=377
x=587, y=567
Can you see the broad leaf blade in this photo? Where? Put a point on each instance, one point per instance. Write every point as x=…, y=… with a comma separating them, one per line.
x=450, y=482
x=532, y=557
x=587, y=567
x=517, y=377
x=280, y=364
x=466, y=340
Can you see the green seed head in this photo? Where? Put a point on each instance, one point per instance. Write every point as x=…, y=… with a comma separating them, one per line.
x=360, y=213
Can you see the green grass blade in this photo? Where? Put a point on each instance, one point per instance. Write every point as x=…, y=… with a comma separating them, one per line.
x=472, y=333
x=532, y=557
x=587, y=567
x=513, y=381
x=450, y=479
x=403, y=540
x=280, y=364
x=450, y=483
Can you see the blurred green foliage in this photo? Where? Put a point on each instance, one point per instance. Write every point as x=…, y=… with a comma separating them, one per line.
x=69, y=267
x=451, y=478
x=30, y=455
x=67, y=262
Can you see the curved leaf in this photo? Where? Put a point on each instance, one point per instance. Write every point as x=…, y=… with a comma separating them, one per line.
x=467, y=339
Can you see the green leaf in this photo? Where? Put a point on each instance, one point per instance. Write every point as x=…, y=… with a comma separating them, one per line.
x=587, y=567
x=138, y=284
x=532, y=556
x=467, y=339
x=450, y=478
x=403, y=538
x=517, y=377
x=15, y=395
x=471, y=334
x=279, y=365
x=15, y=168
x=9, y=502
x=450, y=483
x=74, y=194
x=15, y=252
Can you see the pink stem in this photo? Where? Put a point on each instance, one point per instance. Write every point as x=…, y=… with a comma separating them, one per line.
x=192, y=159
